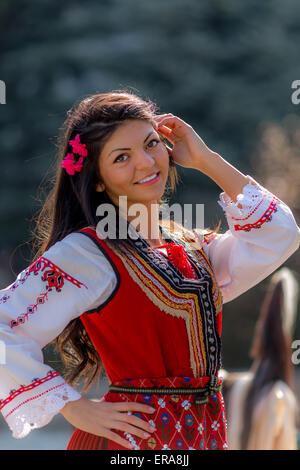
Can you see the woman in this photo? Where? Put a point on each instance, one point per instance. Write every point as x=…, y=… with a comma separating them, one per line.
x=146, y=307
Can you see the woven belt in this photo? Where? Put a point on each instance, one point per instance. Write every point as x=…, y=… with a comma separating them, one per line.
x=203, y=393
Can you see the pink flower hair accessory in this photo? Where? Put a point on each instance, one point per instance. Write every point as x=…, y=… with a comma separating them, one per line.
x=71, y=163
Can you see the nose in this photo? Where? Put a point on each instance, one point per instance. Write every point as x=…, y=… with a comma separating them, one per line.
x=144, y=161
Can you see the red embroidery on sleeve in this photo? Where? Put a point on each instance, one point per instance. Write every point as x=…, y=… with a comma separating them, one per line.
x=53, y=276
x=266, y=217
x=33, y=398
x=24, y=388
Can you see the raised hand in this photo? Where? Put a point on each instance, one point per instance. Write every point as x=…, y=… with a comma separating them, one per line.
x=189, y=150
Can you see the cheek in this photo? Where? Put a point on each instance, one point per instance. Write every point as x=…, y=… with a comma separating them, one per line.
x=115, y=177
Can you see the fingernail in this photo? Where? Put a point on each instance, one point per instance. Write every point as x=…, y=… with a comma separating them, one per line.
x=146, y=434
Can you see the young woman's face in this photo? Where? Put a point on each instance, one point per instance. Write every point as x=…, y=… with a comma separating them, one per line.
x=134, y=152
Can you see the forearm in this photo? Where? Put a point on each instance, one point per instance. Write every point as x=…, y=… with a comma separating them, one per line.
x=224, y=174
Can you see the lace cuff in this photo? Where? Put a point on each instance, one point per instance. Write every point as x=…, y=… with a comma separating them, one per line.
x=257, y=205
x=33, y=411
x=248, y=199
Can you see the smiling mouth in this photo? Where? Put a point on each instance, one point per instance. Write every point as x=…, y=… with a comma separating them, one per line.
x=149, y=179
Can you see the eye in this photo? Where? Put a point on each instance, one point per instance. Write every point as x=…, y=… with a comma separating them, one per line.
x=125, y=154
x=121, y=155
x=154, y=140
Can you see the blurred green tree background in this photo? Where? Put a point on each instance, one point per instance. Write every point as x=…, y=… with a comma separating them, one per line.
x=224, y=66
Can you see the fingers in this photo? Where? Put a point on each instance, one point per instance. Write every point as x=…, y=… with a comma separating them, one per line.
x=132, y=406
x=123, y=420
x=164, y=130
x=161, y=118
x=118, y=439
x=119, y=416
x=135, y=420
x=166, y=125
x=164, y=117
x=126, y=427
x=170, y=120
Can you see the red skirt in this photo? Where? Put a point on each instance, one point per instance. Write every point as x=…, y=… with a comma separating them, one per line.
x=183, y=421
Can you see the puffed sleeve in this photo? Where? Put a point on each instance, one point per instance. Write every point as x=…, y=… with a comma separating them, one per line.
x=262, y=235
x=71, y=277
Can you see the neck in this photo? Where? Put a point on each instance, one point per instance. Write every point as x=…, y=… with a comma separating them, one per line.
x=145, y=219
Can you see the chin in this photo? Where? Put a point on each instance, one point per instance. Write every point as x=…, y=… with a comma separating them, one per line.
x=149, y=196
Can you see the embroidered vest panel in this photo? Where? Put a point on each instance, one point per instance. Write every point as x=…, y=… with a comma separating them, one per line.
x=157, y=322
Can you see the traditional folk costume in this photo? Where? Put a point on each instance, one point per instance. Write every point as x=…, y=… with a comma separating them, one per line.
x=154, y=316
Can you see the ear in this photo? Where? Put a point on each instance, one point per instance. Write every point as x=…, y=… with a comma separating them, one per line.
x=100, y=187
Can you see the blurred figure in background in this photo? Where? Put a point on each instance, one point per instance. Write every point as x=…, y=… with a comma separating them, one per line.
x=261, y=405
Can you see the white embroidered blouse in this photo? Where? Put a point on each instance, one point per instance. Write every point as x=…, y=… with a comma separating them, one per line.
x=74, y=276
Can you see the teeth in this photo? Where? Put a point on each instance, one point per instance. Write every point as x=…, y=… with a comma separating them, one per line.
x=148, y=179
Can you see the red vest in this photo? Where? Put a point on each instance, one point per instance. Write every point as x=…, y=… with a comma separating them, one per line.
x=157, y=322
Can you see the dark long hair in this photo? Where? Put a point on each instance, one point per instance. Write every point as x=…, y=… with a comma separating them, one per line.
x=271, y=347
x=73, y=200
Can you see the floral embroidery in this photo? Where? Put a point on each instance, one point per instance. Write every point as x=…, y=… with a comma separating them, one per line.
x=147, y=398
x=189, y=420
x=179, y=444
x=186, y=404
x=152, y=423
x=200, y=428
x=213, y=444
x=266, y=217
x=178, y=426
x=151, y=443
x=162, y=403
x=165, y=418
x=215, y=425
x=53, y=276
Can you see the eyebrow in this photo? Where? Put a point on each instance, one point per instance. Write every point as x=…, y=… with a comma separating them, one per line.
x=130, y=148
